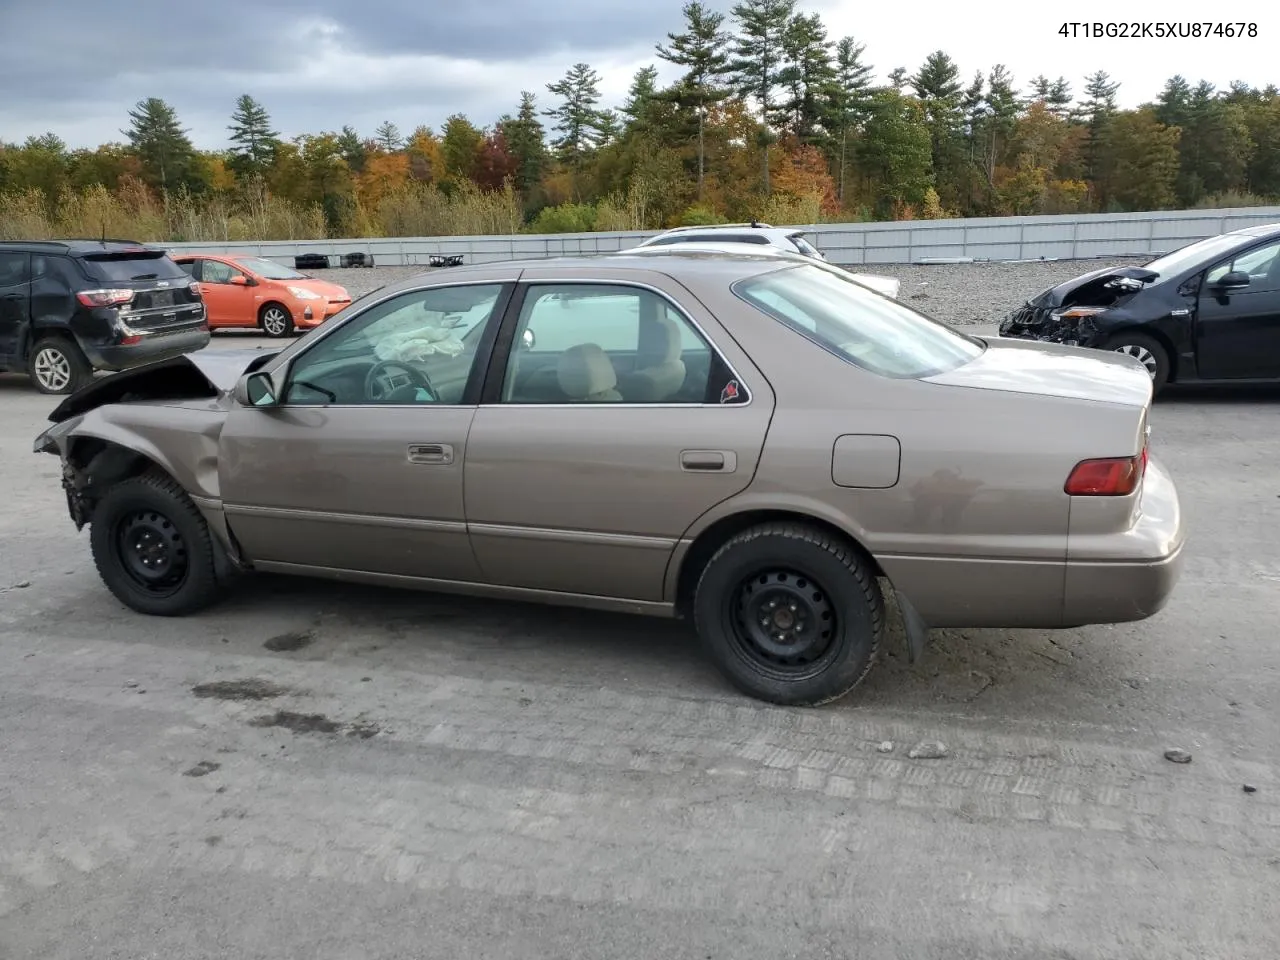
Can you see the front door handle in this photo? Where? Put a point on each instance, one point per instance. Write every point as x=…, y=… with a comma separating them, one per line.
x=430, y=453
x=709, y=461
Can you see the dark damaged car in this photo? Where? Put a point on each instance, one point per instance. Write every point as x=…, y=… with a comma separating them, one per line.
x=1206, y=313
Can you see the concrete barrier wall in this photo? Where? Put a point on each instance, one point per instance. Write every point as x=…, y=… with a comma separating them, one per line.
x=1070, y=237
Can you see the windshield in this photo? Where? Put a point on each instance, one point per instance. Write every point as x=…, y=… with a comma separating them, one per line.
x=270, y=269
x=123, y=267
x=1193, y=254
x=873, y=332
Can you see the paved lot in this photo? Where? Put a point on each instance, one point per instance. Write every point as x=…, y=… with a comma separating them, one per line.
x=508, y=781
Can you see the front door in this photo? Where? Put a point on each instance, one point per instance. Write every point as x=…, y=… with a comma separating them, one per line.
x=1238, y=329
x=618, y=423
x=359, y=465
x=228, y=298
x=15, y=305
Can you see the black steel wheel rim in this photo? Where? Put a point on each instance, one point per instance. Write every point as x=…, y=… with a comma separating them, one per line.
x=783, y=623
x=152, y=552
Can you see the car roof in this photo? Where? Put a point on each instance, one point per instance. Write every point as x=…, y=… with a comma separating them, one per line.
x=1258, y=230
x=79, y=248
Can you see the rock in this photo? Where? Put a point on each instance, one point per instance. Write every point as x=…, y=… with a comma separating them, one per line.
x=1177, y=755
x=203, y=768
x=928, y=750
x=22, y=584
x=1250, y=788
x=885, y=747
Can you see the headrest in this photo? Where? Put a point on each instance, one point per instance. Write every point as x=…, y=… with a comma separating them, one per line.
x=586, y=370
x=659, y=340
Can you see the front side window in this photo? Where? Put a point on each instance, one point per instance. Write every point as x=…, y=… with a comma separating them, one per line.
x=215, y=271
x=805, y=247
x=1261, y=264
x=882, y=336
x=415, y=348
x=601, y=343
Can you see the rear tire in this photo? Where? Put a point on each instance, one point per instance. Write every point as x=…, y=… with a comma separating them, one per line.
x=57, y=366
x=790, y=614
x=1148, y=351
x=153, y=548
x=275, y=321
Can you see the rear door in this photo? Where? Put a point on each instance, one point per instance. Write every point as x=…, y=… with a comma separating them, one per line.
x=587, y=460
x=1238, y=330
x=15, y=305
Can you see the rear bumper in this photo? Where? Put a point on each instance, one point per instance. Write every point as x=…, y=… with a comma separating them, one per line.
x=154, y=345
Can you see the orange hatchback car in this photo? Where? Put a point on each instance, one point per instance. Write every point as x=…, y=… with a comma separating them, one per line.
x=241, y=290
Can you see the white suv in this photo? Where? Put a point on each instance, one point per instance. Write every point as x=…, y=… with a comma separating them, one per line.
x=729, y=237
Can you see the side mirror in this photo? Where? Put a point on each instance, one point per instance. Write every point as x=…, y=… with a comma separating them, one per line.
x=1233, y=280
x=527, y=339
x=255, y=390
x=239, y=280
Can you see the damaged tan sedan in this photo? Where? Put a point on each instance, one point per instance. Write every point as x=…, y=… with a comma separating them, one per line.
x=763, y=446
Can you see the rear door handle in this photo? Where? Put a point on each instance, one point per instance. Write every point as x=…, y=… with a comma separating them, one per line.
x=430, y=453
x=709, y=461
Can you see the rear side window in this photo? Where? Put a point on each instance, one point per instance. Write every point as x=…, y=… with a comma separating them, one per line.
x=879, y=335
x=15, y=269
x=125, y=267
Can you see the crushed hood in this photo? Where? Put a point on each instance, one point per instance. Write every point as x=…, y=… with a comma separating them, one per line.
x=1105, y=284
x=205, y=373
x=1031, y=367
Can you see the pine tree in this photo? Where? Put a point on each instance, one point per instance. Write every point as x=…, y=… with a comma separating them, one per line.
x=1097, y=110
x=388, y=137
x=352, y=148
x=702, y=51
x=526, y=141
x=577, y=118
x=759, y=58
x=255, y=141
x=161, y=143
x=807, y=75
x=848, y=102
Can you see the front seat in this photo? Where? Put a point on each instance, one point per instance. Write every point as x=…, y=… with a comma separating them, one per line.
x=586, y=375
x=659, y=371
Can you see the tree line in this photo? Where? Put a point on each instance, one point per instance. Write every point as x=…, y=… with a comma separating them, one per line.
x=769, y=118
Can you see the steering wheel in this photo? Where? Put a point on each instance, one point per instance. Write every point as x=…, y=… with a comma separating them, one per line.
x=380, y=384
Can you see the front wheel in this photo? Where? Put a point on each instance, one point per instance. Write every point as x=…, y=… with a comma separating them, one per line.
x=790, y=614
x=276, y=321
x=153, y=548
x=57, y=366
x=1148, y=351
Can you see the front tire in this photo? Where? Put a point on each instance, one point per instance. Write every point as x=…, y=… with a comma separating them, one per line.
x=1148, y=351
x=153, y=548
x=276, y=321
x=57, y=366
x=790, y=614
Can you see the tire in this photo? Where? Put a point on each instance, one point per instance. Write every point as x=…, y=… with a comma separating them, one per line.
x=1148, y=351
x=798, y=566
x=154, y=511
x=57, y=366
x=275, y=321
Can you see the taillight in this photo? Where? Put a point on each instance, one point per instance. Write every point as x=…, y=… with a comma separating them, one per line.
x=104, y=298
x=1111, y=477
x=194, y=288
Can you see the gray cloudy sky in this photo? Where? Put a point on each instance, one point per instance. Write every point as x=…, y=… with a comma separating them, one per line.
x=77, y=66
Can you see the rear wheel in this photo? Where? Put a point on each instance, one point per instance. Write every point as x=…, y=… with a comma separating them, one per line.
x=790, y=614
x=153, y=548
x=57, y=366
x=275, y=321
x=1148, y=351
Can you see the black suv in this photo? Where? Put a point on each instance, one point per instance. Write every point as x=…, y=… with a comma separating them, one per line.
x=69, y=307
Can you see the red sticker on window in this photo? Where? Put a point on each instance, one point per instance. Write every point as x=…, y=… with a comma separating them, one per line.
x=730, y=392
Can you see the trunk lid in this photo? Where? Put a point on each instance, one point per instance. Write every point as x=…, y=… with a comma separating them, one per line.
x=163, y=294
x=1052, y=370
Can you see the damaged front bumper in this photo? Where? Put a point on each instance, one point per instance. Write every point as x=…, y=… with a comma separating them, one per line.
x=1072, y=327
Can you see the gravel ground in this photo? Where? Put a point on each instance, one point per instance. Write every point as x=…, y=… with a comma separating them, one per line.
x=962, y=293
